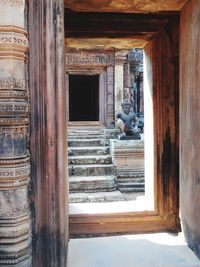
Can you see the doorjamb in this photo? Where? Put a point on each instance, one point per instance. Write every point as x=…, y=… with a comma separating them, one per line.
x=48, y=146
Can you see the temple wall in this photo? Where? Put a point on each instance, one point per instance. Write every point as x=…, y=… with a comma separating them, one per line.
x=15, y=230
x=190, y=123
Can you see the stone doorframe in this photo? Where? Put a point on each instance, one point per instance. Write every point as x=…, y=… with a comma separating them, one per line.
x=48, y=138
x=101, y=72
x=101, y=63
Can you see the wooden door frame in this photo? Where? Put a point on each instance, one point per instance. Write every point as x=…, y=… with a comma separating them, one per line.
x=163, y=51
x=48, y=147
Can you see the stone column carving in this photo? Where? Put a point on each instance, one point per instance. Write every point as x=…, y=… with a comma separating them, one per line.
x=15, y=230
x=120, y=58
x=110, y=97
x=126, y=89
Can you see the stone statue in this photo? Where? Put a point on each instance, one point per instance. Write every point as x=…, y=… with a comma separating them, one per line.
x=127, y=123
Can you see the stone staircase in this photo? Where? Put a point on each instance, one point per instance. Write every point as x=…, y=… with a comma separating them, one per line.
x=129, y=181
x=91, y=172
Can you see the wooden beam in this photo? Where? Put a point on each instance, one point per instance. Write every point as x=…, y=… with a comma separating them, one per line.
x=98, y=25
x=106, y=43
x=126, y=6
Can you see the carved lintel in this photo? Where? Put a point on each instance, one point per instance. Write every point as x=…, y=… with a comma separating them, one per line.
x=89, y=58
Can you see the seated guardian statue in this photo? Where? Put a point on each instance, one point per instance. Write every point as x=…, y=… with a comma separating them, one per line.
x=127, y=122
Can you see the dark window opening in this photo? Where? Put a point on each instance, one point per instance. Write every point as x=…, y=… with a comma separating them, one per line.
x=83, y=97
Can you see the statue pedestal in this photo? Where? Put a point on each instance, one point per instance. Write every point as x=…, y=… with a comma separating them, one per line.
x=136, y=136
x=128, y=157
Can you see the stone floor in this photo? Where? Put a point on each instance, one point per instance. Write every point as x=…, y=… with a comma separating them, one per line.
x=132, y=196
x=149, y=250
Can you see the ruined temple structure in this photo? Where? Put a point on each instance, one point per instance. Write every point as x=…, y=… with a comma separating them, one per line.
x=99, y=80
x=46, y=47
x=97, y=83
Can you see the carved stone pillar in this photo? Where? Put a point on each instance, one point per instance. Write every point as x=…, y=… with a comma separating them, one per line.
x=15, y=230
x=110, y=97
x=126, y=89
x=120, y=58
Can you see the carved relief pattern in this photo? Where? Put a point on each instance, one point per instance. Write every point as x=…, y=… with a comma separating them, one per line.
x=14, y=131
x=13, y=2
x=15, y=212
x=15, y=229
x=14, y=121
x=13, y=94
x=13, y=107
x=126, y=82
x=135, y=55
x=13, y=43
x=110, y=97
x=13, y=38
x=89, y=58
x=12, y=84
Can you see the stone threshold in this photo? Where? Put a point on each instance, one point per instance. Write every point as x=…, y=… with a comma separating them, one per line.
x=85, y=124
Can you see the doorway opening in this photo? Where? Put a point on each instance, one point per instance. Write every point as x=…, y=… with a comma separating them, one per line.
x=159, y=132
x=107, y=172
x=83, y=97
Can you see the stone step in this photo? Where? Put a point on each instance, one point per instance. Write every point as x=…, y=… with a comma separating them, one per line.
x=132, y=180
x=134, y=185
x=131, y=174
x=77, y=151
x=92, y=183
x=131, y=187
x=85, y=131
x=87, y=142
x=91, y=170
x=86, y=136
x=96, y=197
x=131, y=190
x=79, y=160
x=79, y=134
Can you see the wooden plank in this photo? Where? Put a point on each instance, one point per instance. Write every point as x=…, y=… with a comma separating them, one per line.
x=190, y=124
x=48, y=133
x=128, y=6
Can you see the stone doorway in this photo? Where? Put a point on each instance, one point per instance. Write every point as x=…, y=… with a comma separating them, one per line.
x=83, y=97
x=161, y=134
